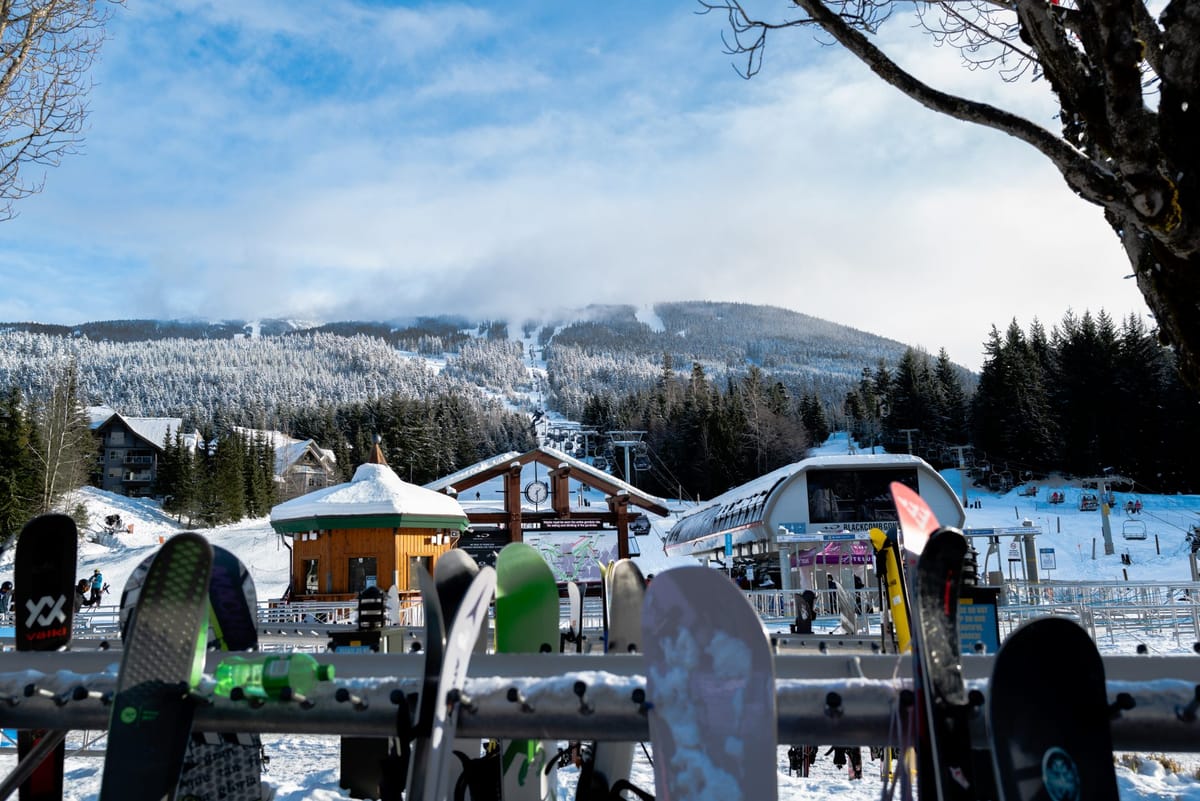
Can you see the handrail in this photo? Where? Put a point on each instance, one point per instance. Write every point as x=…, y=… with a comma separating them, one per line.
x=850, y=700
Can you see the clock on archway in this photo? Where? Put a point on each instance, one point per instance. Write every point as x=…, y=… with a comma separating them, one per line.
x=537, y=491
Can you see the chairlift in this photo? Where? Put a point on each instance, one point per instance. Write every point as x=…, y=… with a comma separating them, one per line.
x=600, y=463
x=641, y=462
x=1133, y=530
x=994, y=481
x=1088, y=502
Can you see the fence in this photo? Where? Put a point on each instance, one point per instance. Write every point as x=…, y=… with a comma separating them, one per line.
x=1114, y=613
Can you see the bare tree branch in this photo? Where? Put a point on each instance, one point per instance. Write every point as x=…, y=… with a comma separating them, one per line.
x=1128, y=87
x=47, y=48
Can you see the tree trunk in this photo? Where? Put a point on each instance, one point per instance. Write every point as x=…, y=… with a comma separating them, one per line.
x=1171, y=286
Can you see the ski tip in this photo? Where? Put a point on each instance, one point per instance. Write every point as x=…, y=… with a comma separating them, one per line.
x=917, y=521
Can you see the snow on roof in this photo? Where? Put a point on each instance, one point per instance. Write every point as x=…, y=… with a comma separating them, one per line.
x=155, y=430
x=375, y=498
x=470, y=470
x=98, y=414
x=576, y=465
x=288, y=450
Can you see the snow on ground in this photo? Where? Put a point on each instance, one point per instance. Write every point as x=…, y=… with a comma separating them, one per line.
x=306, y=767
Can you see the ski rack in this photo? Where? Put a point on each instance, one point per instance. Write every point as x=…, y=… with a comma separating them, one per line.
x=848, y=700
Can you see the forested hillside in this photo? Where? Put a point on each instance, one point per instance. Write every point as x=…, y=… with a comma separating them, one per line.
x=254, y=370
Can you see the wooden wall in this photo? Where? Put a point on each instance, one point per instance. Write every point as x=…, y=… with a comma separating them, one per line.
x=333, y=550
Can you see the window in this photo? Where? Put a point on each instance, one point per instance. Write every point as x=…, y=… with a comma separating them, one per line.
x=416, y=563
x=845, y=496
x=363, y=573
x=116, y=437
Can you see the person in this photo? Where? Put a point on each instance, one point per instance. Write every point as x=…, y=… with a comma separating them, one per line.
x=6, y=591
x=81, y=595
x=97, y=587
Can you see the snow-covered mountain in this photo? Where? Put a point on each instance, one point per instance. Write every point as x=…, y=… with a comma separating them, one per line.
x=151, y=367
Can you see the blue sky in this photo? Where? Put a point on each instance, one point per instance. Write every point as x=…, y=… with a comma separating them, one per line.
x=378, y=160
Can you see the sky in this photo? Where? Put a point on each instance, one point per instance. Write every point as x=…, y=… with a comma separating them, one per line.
x=363, y=159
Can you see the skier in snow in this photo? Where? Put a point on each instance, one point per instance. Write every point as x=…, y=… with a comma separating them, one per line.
x=97, y=587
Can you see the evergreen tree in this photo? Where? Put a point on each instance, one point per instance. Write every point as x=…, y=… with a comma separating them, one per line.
x=19, y=479
x=1083, y=382
x=954, y=401
x=177, y=485
x=812, y=414
x=229, y=491
x=1012, y=415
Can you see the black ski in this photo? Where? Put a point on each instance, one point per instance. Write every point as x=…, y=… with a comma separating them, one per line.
x=1049, y=726
x=435, y=645
x=44, y=578
x=224, y=766
x=945, y=769
x=217, y=765
x=162, y=662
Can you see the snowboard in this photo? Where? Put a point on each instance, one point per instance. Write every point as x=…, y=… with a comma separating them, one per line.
x=526, y=622
x=1049, y=726
x=710, y=684
x=430, y=780
x=945, y=761
x=613, y=761
x=44, y=586
x=162, y=662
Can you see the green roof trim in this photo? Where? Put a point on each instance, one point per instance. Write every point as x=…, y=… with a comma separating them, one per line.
x=330, y=522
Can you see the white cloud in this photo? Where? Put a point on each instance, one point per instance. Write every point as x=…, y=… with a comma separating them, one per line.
x=503, y=187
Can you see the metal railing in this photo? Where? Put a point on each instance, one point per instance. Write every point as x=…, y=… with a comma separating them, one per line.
x=1116, y=614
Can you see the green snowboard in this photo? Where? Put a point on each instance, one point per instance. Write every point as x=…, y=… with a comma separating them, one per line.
x=526, y=622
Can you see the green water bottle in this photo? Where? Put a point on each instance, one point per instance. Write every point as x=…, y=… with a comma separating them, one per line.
x=268, y=676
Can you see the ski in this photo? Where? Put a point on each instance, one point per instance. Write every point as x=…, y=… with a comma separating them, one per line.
x=526, y=622
x=44, y=573
x=217, y=765
x=611, y=762
x=574, y=634
x=710, y=688
x=427, y=699
x=429, y=780
x=224, y=766
x=945, y=762
x=1048, y=726
x=162, y=662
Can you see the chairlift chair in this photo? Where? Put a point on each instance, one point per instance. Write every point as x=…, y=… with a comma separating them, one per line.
x=1133, y=530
